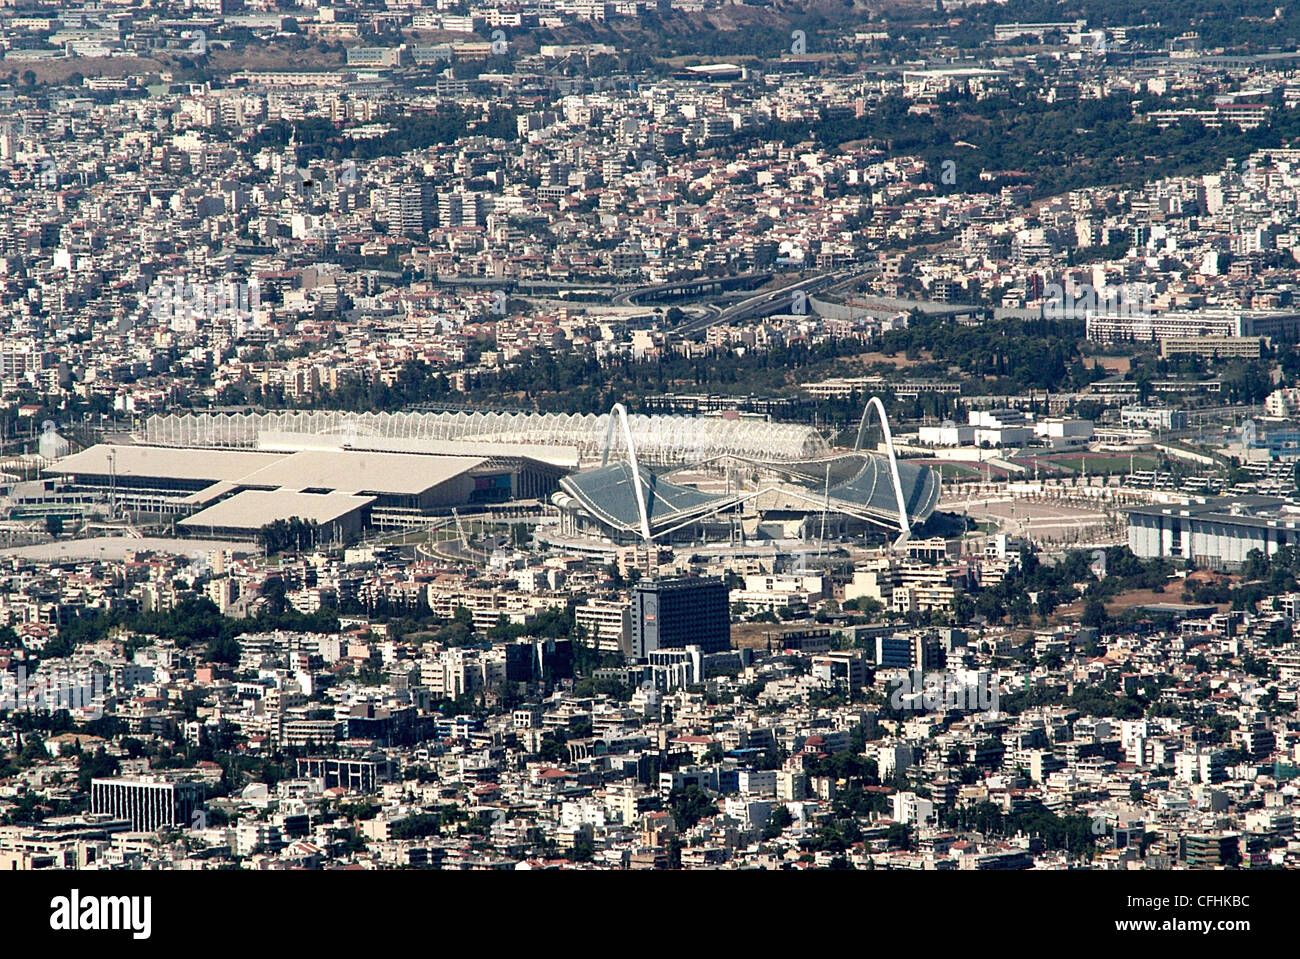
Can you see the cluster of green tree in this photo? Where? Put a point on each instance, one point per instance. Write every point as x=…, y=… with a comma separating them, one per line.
x=1103, y=699
x=1052, y=147
x=1241, y=381
x=100, y=765
x=194, y=620
x=1280, y=570
x=836, y=836
x=294, y=533
x=689, y=806
x=613, y=688
x=1056, y=584
x=31, y=807
x=1072, y=834
x=1262, y=577
x=577, y=383
x=780, y=820
x=320, y=139
x=555, y=622
x=359, y=811
x=240, y=769
x=1039, y=354
x=553, y=748
x=50, y=723
x=582, y=850
x=416, y=383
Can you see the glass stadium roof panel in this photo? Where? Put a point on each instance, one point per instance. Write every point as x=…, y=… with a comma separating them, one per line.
x=609, y=494
x=863, y=481
x=872, y=487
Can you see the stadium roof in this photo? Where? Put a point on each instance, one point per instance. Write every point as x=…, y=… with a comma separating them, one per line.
x=182, y=464
x=253, y=509
x=860, y=484
x=609, y=495
x=353, y=471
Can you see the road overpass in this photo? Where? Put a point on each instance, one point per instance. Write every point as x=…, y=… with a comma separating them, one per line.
x=766, y=303
x=688, y=289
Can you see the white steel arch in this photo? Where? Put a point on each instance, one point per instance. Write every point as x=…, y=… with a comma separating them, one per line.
x=903, y=523
x=619, y=414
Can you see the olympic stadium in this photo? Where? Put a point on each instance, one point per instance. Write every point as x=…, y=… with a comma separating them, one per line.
x=809, y=493
x=609, y=480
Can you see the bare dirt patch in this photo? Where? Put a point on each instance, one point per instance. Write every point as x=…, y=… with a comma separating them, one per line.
x=1115, y=606
x=1114, y=364
x=755, y=635
x=898, y=360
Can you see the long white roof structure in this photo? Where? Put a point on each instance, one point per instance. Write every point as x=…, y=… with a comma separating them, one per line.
x=660, y=440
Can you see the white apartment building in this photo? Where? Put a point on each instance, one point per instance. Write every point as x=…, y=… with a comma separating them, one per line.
x=608, y=622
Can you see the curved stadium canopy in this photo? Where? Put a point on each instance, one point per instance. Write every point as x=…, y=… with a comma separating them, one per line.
x=858, y=484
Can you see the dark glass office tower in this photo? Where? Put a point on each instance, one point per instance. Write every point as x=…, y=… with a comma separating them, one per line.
x=679, y=612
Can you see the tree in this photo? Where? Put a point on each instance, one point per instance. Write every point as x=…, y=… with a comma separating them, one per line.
x=33, y=750
x=224, y=649
x=777, y=822
x=689, y=806
x=54, y=525
x=898, y=836
x=615, y=575
x=1094, y=613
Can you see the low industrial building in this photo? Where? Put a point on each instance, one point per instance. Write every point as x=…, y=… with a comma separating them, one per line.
x=1218, y=535
x=235, y=492
x=339, y=517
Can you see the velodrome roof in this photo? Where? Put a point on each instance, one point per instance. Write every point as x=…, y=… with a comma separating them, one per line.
x=554, y=454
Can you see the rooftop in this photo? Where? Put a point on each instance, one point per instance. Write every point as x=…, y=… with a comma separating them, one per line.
x=253, y=509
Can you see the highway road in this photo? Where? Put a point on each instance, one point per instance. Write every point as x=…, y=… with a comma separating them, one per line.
x=766, y=303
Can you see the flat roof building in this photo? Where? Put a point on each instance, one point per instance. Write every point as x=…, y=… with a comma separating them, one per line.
x=339, y=516
x=1218, y=535
x=148, y=805
x=238, y=490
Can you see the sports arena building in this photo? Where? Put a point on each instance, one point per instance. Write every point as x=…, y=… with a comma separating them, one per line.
x=614, y=478
x=745, y=496
x=235, y=493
